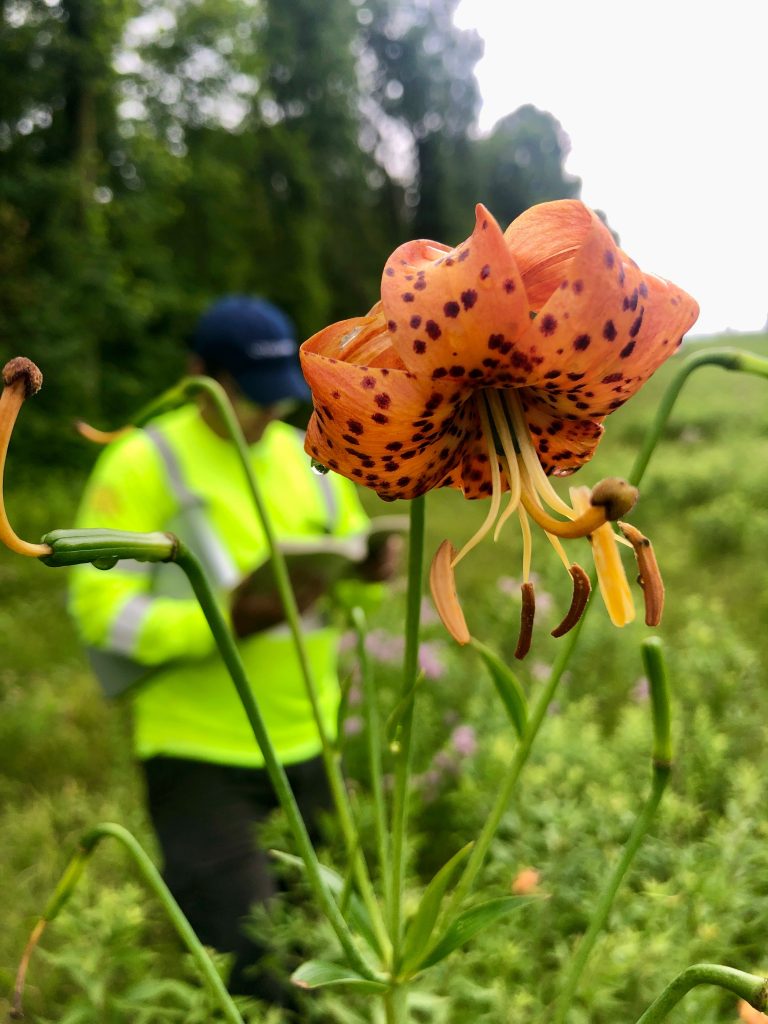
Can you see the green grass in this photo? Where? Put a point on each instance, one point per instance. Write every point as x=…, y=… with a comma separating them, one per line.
x=699, y=890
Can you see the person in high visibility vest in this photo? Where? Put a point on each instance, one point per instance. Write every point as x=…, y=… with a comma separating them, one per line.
x=147, y=637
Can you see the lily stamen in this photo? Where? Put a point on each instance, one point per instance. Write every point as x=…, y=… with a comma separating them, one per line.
x=509, y=447
x=527, y=612
x=538, y=477
x=495, y=492
x=649, y=574
x=21, y=379
x=525, y=528
x=581, y=591
x=443, y=588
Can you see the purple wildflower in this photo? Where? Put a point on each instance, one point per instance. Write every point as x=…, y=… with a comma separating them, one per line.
x=464, y=740
x=353, y=725
x=430, y=662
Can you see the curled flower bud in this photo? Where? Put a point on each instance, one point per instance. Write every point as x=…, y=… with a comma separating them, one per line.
x=23, y=370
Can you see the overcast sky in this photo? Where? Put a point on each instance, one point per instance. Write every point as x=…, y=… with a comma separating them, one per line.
x=666, y=106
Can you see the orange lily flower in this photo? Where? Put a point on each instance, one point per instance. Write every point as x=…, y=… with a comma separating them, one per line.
x=490, y=367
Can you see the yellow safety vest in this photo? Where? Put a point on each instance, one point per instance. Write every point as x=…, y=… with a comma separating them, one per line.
x=142, y=622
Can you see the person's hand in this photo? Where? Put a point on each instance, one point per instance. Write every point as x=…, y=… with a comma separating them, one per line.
x=253, y=611
x=383, y=561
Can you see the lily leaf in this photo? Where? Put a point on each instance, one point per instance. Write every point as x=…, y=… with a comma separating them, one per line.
x=507, y=685
x=423, y=922
x=322, y=974
x=468, y=924
x=356, y=913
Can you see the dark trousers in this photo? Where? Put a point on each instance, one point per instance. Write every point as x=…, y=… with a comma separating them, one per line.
x=206, y=817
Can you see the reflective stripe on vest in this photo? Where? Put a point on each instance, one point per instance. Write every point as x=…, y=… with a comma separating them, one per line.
x=114, y=667
x=199, y=535
x=127, y=623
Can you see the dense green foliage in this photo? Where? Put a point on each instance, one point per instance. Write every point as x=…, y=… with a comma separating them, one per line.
x=155, y=156
x=698, y=889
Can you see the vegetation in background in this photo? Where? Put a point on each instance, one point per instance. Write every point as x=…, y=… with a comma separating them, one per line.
x=697, y=890
x=155, y=156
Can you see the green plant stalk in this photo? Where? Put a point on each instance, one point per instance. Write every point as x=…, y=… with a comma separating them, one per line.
x=728, y=358
x=396, y=1005
x=283, y=585
x=374, y=737
x=231, y=657
x=217, y=395
x=661, y=760
x=151, y=876
x=78, y=546
x=178, y=395
x=602, y=910
x=747, y=986
x=522, y=753
x=733, y=359
x=404, y=754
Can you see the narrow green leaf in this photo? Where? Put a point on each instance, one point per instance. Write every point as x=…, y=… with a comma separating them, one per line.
x=468, y=924
x=355, y=912
x=507, y=685
x=422, y=924
x=322, y=974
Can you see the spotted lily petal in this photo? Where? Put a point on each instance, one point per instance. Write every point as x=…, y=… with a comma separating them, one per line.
x=545, y=240
x=457, y=314
x=382, y=426
x=490, y=367
x=603, y=332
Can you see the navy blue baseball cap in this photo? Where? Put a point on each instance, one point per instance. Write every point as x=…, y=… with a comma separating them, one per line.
x=255, y=342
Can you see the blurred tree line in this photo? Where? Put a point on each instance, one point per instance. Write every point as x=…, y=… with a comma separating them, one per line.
x=157, y=153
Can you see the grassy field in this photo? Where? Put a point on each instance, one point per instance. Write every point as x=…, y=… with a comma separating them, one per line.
x=699, y=888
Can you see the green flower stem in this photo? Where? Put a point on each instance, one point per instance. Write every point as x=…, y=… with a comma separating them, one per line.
x=72, y=547
x=728, y=358
x=661, y=760
x=373, y=733
x=172, y=398
x=403, y=762
x=175, y=396
x=331, y=759
x=747, y=986
x=605, y=903
x=396, y=1005
x=275, y=770
x=488, y=831
x=151, y=877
